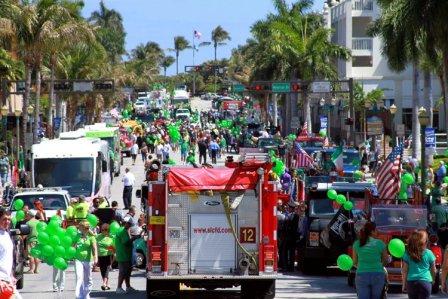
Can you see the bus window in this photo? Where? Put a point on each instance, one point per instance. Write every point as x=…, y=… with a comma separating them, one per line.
x=98, y=173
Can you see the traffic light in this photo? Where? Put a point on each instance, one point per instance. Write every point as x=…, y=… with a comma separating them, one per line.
x=295, y=87
x=349, y=121
x=198, y=68
x=260, y=87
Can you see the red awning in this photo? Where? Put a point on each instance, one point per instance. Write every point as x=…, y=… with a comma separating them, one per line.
x=196, y=179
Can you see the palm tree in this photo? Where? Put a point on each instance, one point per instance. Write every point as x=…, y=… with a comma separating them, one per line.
x=10, y=69
x=219, y=35
x=111, y=32
x=301, y=39
x=167, y=61
x=180, y=44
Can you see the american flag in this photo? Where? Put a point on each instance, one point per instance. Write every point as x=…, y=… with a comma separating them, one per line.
x=388, y=175
x=326, y=142
x=304, y=131
x=197, y=34
x=302, y=158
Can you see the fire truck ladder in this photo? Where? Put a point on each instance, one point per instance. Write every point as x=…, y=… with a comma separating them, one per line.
x=263, y=157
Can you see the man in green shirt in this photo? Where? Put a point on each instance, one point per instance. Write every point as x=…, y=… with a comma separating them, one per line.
x=440, y=213
x=31, y=240
x=123, y=255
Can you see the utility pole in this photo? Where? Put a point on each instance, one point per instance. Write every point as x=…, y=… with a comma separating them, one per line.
x=194, y=73
x=351, y=110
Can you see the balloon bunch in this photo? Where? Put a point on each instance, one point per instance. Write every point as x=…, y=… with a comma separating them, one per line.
x=340, y=199
x=174, y=132
x=20, y=214
x=56, y=245
x=406, y=180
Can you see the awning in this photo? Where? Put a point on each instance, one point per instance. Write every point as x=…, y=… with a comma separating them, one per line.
x=223, y=178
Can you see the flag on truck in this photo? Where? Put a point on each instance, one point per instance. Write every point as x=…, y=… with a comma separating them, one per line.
x=302, y=158
x=338, y=159
x=304, y=131
x=388, y=175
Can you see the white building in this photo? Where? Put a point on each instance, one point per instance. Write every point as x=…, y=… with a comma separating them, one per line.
x=350, y=19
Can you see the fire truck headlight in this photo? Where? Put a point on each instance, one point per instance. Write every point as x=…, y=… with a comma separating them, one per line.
x=260, y=171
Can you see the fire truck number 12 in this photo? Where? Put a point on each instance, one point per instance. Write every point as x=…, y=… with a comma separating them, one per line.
x=247, y=234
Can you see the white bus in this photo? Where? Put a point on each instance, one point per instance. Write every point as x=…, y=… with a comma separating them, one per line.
x=73, y=162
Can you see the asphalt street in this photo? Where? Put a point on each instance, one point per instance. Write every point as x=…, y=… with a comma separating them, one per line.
x=332, y=284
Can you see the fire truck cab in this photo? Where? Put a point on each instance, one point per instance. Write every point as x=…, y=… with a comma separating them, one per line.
x=212, y=228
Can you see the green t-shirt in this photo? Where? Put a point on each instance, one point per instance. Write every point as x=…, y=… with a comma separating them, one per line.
x=420, y=270
x=84, y=248
x=104, y=242
x=440, y=214
x=33, y=230
x=435, y=193
x=123, y=246
x=369, y=255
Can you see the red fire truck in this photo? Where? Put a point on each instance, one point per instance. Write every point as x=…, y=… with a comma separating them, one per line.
x=213, y=228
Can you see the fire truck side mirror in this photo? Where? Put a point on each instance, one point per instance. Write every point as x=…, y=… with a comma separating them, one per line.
x=138, y=193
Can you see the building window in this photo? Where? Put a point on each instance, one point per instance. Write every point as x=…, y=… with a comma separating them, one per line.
x=362, y=61
x=407, y=119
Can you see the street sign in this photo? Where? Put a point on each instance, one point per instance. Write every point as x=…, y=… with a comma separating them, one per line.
x=239, y=88
x=430, y=138
x=280, y=87
x=374, y=126
x=321, y=86
x=323, y=122
x=56, y=123
x=399, y=130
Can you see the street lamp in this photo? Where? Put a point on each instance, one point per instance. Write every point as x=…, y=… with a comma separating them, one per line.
x=17, y=113
x=322, y=102
x=423, y=118
x=4, y=114
x=393, y=109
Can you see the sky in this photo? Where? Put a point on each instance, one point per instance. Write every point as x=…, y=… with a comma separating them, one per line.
x=161, y=20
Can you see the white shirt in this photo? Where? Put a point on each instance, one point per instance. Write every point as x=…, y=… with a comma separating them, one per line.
x=134, y=149
x=128, y=179
x=6, y=256
x=159, y=149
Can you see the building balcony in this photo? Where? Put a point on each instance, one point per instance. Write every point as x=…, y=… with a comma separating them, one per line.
x=363, y=5
x=362, y=46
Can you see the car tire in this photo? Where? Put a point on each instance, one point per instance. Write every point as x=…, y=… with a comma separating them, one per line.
x=140, y=260
x=19, y=283
x=156, y=289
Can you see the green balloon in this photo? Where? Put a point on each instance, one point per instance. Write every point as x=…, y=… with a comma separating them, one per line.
x=323, y=133
x=114, y=227
x=14, y=221
x=72, y=231
x=340, y=199
x=56, y=218
x=49, y=259
x=345, y=262
x=60, y=232
x=357, y=175
x=41, y=226
x=332, y=194
x=348, y=205
x=66, y=241
x=445, y=180
x=54, y=241
x=47, y=251
x=18, y=204
x=60, y=263
x=20, y=215
x=403, y=195
x=93, y=220
x=70, y=253
x=43, y=238
x=408, y=178
x=35, y=252
x=59, y=251
x=396, y=248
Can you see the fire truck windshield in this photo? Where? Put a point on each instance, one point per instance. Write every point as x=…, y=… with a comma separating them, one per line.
x=400, y=217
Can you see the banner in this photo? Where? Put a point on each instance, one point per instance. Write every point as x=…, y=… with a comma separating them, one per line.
x=430, y=138
x=323, y=122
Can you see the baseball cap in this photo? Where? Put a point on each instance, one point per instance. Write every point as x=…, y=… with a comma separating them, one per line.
x=127, y=219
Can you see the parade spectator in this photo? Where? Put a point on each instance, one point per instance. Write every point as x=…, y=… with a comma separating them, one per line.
x=166, y=150
x=134, y=152
x=102, y=202
x=369, y=257
x=117, y=214
x=105, y=253
x=87, y=256
x=292, y=224
x=7, y=280
x=436, y=193
x=144, y=152
x=441, y=172
x=418, y=267
x=159, y=150
x=123, y=247
x=214, y=149
x=82, y=208
x=128, y=182
x=4, y=168
x=202, y=146
x=440, y=214
x=444, y=275
x=184, y=148
x=40, y=210
x=281, y=231
x=31, y=241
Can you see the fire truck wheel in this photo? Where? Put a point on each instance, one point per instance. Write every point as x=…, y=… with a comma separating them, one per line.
x=140, y=260
x=19, y=283
x=258, y=289
x=162, y=289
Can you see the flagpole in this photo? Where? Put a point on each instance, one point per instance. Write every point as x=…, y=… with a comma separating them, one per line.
x=194, y=68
